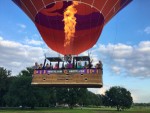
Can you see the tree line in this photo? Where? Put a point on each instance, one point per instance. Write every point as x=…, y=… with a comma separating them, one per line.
x=17, y=91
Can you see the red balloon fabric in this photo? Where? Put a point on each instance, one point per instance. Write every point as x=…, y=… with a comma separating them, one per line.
x=91, y=17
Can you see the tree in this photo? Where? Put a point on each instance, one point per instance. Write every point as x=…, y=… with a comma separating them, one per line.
x=82, y=96
x=118, y=97
x=4, y=74
x=105, y=101
x=72, y=97
x=17, y=91
x=61, y=95
x=93, y=99
x=52, y=97
x=22, y=93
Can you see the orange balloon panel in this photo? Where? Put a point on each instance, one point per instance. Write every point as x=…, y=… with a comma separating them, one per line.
x=91, y=17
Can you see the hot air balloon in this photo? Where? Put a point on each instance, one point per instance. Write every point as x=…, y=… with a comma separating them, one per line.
x=91, y=16
x=70, y=27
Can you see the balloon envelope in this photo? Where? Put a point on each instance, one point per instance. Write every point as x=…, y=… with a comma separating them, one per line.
x=91, y=17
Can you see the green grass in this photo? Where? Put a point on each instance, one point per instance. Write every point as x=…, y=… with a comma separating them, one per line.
x=78, y=110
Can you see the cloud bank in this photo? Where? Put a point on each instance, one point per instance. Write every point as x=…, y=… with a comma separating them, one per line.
x=121, y=59
x=126, y=59
x=16, y=56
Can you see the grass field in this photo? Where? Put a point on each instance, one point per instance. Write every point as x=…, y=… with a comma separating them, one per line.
x=77, y=110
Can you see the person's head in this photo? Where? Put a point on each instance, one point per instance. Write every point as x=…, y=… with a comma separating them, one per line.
x=96, y=66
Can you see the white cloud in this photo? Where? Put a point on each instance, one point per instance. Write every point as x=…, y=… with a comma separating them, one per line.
x=126, y=59
x=16, y=56
x=116, y=69
x=147, y=30
x=23, y=26
x=118, y=50
x=139, y=96
x=144, y=47
x=17, y=64
x=34, y=42
x=120, y=58
x=1, y=38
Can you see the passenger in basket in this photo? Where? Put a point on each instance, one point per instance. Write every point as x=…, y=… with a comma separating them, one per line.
x=36, y=66
x=91, y=65
x=79, y=66
x=56, y=66
x=69, y=58
x=47, y=66
x=51, y=66
x=69, y=66
x=86, y=65
x=41, y=66
x=99, y=65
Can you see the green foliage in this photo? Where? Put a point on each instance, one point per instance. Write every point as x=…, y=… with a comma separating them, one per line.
x=93, y=99
x=82, y=96
x=4, y=84
x=21, y=93
x=71, y=96
x=17, y=91
x=118, y=97
x=61, y=95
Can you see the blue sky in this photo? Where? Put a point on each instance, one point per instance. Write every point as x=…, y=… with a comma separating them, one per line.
x=123, y=47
